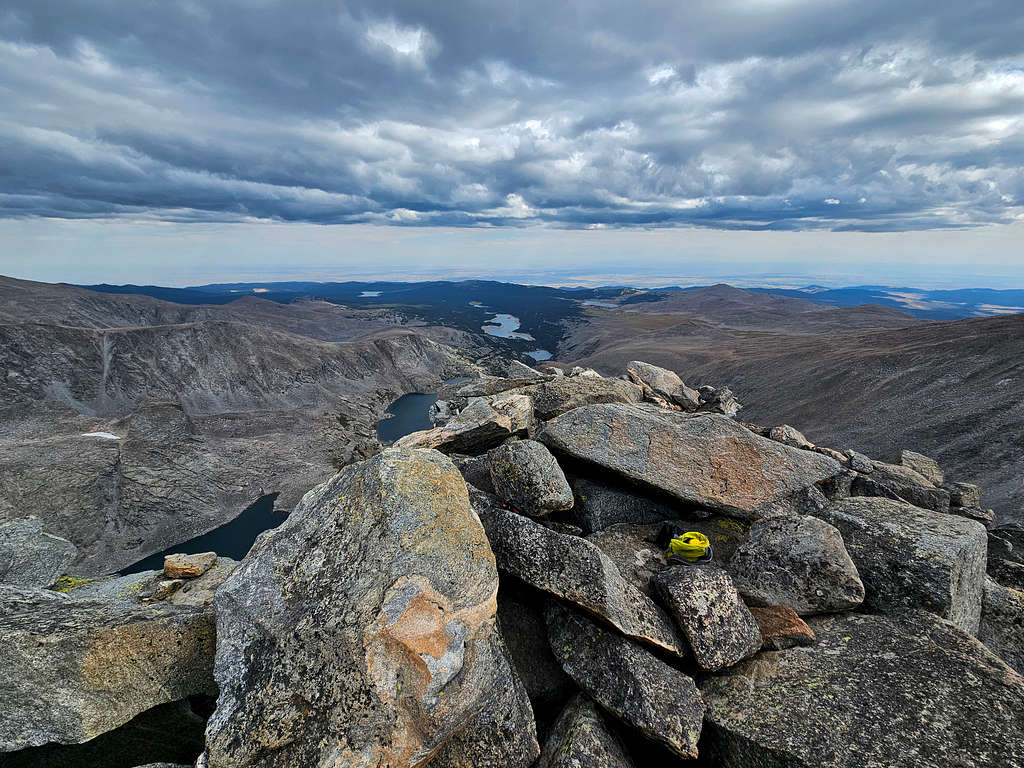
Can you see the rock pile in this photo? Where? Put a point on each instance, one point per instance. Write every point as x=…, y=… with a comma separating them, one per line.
x=495, y=592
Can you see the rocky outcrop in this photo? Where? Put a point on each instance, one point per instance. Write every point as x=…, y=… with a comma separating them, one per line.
x=525, y=475
x=797, y=561
x=662, y=387
x=928, y=468
x=74, y=669
x=631, y=683
x=790, y=436
x=704, y=460
x=1002, y=623
x=581, y=738
x=872, y=691
x=482, y=424
x=560, y=395
x=901, y=483
x=362, y=630
x=706, y=606
x=575, y=570
x=910, y=557
x=30, y=557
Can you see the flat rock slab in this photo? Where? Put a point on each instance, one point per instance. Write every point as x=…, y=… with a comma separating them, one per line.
x=781, y=627
x=74, y=669
x=557, y=396
x=30, y=557
x=910, y=557
x=705, y=460
x=362, y=630
x=706, y=606
x=798, y=561
x=527, y=476
x=873, y=691
x=628, y=681
x=901, y=483
x=573, y=569
x=580, y=738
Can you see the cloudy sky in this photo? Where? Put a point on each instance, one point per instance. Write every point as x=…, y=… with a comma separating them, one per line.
x=180, y=141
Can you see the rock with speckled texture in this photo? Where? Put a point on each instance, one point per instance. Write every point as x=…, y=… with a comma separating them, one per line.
x=873, y=692
x=30, y=557
x=662, y=386
x=526, y=475
x=361, y=631
x=74, y=669
x=581, y=739
x=705, y=604
x=1002, y=623
x=798, y=561
x=909, y=557
x=634, y=685
x=573, y=569
x=706, y=460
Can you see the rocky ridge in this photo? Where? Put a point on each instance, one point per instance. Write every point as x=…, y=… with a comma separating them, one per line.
x=501, y=597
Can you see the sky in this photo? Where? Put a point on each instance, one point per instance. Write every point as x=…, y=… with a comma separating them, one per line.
x=827, y=141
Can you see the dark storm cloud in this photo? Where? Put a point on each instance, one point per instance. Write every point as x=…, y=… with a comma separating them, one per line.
x=774, y=114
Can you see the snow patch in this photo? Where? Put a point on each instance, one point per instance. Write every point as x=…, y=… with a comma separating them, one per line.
x=103, y=435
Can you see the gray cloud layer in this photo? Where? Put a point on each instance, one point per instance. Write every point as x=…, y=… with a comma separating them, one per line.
x=788, y=114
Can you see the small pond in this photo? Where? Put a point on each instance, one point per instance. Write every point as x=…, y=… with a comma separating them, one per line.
x=409, y=413
x=538, y=354
x=596, y=303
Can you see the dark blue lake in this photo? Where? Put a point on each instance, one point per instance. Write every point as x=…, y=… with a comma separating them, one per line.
x=409, y=413
x=233, y=539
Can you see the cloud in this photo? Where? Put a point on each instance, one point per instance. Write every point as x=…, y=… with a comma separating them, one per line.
x=724, y=114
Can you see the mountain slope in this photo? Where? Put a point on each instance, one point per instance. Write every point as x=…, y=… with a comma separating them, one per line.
x=955, y=390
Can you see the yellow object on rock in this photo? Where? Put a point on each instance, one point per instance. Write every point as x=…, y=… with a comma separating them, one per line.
x=691, y=546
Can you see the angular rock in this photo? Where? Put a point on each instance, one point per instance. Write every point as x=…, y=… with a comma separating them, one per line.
x=554, y=397
x=830, y=452
x=790, y=436
x=629, y=682
x=924, y=466
x=587, y=373
x=600, y=505
x=722, y=401
x=963, y=494
x=526, y=475
x=476, y=470
x=662, y=386
x=986, y=517
x=706, y=460
x=797, y=561
x=1002, y=623
x=706, y=606
x=202, y=591
x=521, y=617
x=893, y=481
x=478, y=427
x=781, y=627
x=181, y=566
x=581, y=739
x=873, y=691
x=362, y=630
x=30, y=557
x=74, y=669
x=502, y=735
x=573, y=569
x=858, y=462
x=910, y=557
x=519, y=411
